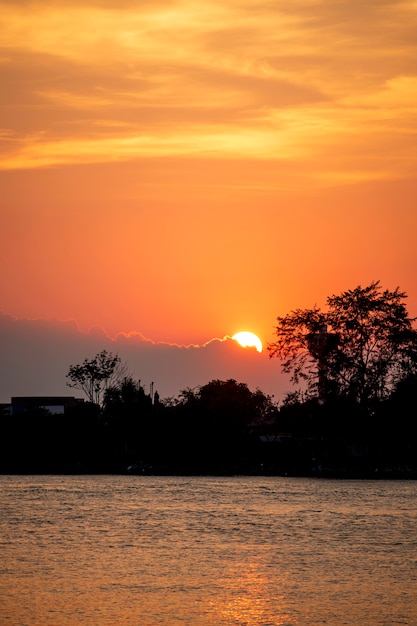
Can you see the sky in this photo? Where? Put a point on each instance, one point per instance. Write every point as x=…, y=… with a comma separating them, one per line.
x=180, y=171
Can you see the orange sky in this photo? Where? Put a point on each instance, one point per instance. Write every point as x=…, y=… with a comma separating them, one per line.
x=189, y=169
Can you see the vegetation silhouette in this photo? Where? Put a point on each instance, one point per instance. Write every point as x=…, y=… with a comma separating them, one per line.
x=94, y=376
x=358, y=349
x=353, y=412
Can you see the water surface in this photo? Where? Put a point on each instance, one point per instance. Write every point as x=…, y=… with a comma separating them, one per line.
x=153, y=551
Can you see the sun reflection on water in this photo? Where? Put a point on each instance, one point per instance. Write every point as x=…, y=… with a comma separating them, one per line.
x=250, y=599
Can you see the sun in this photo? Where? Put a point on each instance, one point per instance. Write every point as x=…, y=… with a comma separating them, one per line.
x=247, y=339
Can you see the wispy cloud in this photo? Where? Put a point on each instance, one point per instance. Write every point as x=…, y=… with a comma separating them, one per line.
x=295, y=82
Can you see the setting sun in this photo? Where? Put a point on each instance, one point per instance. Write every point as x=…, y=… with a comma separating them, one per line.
x=248, y=339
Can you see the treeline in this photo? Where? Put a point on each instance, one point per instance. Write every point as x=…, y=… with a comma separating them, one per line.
x=219, y=428
x=354, y=412
x=209, y=429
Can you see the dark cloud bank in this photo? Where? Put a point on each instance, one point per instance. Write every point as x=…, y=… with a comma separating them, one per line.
x=35, y=356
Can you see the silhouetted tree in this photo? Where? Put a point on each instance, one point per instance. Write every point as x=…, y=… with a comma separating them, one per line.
x=359, y=348
x=399, y=413
x=95, y=376
x=214, y=423
x=129, y=413
x=230, y=401
x=127, y=400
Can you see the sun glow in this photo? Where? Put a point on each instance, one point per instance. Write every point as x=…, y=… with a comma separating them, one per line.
x=247, y=339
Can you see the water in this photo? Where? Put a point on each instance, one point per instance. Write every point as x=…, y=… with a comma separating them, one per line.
x=165, y=551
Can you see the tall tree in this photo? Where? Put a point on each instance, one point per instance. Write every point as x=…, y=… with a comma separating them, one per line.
x=359, y=347
x=95, y=376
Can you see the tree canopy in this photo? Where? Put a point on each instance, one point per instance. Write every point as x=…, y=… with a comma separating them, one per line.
x=360, y=347
x=94, y=376
x=229, y=401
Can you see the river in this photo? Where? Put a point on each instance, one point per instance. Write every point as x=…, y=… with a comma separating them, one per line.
x=207, y=551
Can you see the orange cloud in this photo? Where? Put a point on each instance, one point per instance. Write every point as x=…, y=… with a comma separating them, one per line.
x=276, y=81
x=185, y=169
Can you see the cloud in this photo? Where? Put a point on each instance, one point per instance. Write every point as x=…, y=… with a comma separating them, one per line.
x=36, y=355
x=290, y=82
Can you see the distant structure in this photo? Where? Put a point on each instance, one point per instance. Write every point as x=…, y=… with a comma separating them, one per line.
x=56, y=405
x=321, y=344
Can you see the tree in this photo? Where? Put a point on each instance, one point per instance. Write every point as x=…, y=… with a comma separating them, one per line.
x=229, y=402
x=358, y=349
x=96, y=375
x=127, y=405
x=128, y=412
x=126, y=395
x=211, y=426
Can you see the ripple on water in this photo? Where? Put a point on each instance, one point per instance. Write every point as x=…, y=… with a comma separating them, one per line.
x=158, y=551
